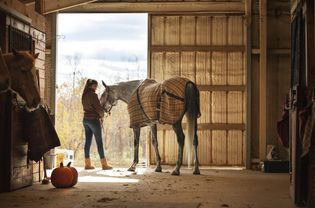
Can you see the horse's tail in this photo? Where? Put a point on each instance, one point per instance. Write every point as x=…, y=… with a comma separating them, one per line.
x=192, y=113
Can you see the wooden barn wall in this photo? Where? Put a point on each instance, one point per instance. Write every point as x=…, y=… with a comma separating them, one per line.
x=37, y=30
x=278, y=72
x=209, y=50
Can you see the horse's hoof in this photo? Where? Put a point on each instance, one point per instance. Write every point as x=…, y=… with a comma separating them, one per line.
x=175, y=173
x=132, y=169
x=158, y=169
x=196, y=172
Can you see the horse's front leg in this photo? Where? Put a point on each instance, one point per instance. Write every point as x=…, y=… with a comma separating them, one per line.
x=155, y=145
x=180, y=140
x=136, y=135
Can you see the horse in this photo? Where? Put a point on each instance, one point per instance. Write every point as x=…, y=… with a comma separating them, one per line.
x=5, y=80
x=150, y=103
x=20, y=65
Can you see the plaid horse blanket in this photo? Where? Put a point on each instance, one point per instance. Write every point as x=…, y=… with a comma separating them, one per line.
x=158, y=102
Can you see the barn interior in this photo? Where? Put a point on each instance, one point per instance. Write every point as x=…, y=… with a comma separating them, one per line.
x=252, y=61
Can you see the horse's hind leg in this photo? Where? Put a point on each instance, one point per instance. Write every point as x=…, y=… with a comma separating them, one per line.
x=155, y=145
x=195, y=142
x=180, y=140
x=136, y=135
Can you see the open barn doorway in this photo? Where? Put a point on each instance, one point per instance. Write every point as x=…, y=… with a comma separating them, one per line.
x=108, y=47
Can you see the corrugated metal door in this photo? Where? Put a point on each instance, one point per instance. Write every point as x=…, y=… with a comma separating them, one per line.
x=209, y=50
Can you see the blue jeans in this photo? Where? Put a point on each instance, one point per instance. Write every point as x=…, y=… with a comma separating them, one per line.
x=93, y=126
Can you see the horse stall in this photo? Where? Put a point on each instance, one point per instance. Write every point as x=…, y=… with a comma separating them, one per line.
x=237, y=52
x=20, y=29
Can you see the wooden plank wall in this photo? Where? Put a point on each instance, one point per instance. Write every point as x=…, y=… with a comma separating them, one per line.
x=209, y=50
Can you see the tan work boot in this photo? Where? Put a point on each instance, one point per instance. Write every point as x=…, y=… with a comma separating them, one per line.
x=88, y=165
x=105, y=166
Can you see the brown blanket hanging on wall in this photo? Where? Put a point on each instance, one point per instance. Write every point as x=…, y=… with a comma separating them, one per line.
x=163, y=102
x=40, y=133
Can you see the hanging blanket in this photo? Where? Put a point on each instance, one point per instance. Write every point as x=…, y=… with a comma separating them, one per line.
x=309, y=134
x=41, y=133
x=158, y=102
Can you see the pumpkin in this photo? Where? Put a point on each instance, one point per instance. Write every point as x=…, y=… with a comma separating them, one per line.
x=62, y=177
x=74, y=173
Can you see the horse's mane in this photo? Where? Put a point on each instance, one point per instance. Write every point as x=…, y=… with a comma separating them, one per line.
x=128, y=82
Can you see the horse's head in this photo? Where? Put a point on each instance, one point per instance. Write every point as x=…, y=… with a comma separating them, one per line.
x=23, y=76
x=4, y=74
x=108, y=98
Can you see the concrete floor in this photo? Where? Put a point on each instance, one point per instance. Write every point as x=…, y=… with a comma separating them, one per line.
x=145, y=188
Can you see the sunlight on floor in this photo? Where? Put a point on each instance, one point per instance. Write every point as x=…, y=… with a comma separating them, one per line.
x=122, y=172
x=117, y=175
x=97, y=179
x=223, y=168
x=121, y=175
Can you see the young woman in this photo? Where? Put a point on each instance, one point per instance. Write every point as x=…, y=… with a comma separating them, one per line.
x=93, y=113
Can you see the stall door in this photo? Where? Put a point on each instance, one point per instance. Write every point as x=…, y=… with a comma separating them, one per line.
x=209, y=50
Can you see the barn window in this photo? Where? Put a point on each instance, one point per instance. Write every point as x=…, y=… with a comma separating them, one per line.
x=19, y=40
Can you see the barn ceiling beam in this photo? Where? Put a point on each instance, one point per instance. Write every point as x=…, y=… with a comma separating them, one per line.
x=28, y=2
x=49, y=6
x=198, y=48
x=165, y=7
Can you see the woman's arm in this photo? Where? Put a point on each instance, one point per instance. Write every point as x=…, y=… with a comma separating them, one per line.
x=97, y=105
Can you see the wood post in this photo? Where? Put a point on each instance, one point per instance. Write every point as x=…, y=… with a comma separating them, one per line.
x=248, y=13
x=263, y=79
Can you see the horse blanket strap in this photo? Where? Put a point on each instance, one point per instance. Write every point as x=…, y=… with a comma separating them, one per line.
x=158, y=102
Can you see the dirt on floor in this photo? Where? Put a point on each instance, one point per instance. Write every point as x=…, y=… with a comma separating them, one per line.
x=146, y=189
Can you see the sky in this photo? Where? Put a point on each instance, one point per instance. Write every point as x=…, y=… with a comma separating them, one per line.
x=109, y=47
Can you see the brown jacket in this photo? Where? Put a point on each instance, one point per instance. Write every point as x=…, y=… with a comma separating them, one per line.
x=91, y=105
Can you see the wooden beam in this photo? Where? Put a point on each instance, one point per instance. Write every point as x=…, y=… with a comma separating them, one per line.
x=221, y=87
x=263, y=80
x=209, y=126
x=28, y=2
x=274, y=51
x=165, y=7
x=53, y=66
x=49, y=6
x=310, y=61
x=248, y=124
x=237, y=48
x=279, y=51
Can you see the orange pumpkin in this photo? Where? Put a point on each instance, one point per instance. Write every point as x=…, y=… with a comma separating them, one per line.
x=62, y=177
x=74, y=173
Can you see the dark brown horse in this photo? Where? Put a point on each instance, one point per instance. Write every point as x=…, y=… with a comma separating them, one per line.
x=23, y=76
x=4, y=74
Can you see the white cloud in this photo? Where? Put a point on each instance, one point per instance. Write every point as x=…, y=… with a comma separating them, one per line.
x=111, y=46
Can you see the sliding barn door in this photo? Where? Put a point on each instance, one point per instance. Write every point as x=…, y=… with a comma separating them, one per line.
x=209, y=50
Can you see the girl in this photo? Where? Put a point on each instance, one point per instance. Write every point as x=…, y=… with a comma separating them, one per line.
x=93, y=113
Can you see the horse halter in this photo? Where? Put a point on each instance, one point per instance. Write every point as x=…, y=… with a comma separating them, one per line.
x=108, y=111
x=111, y=104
